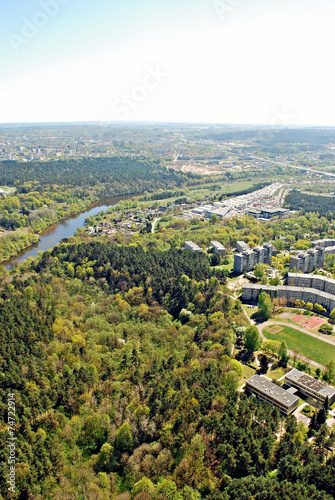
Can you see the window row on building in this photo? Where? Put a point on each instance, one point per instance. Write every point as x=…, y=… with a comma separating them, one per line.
x=250, y=293
x=311, y=281
x=247, y=258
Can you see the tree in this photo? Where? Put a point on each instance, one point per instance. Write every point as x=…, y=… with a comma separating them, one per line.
x=326, y=329
x=252, y=340
x=264, y=363
x=124, y=438
x=271, y=347
x=283, y=356
x=329, y=375
x=265, y=306
x=215, y=260
x=259, y=270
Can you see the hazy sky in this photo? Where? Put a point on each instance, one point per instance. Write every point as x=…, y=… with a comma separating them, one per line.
x=214, y=61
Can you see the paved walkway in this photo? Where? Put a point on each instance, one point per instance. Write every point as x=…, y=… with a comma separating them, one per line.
x=154, y=224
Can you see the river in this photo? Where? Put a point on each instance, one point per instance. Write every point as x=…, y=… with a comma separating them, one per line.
x=63, y=229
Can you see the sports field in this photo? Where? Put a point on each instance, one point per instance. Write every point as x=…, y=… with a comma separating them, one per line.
x=308, y=346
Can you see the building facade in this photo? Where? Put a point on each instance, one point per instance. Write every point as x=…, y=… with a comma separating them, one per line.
x=250, y=293
x=189, y=245
x=318, y=282
x=309, y=386
x=323, y=243
x=307, y=261
x=246, y=260
x=218, y=248
x=272, y=394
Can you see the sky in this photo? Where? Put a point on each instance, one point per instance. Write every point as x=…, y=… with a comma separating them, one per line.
x=196, y=61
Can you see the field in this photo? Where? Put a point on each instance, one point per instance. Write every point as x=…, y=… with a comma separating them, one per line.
x=308, y=346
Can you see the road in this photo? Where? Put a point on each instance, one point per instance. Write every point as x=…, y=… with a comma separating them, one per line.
x=286, y=164
x=154, y=224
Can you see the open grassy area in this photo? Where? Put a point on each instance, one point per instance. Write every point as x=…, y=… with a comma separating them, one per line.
x=249, y=310
x=277, y=373
x=247, y=373
x=308, y=346
x=225, y=189
x=226, y=267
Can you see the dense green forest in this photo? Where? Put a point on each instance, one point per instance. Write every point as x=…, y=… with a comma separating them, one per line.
x=324, y=205
x=120, y=361
x=121, y=172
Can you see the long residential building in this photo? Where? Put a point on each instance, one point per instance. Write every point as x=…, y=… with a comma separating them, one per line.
x=242, y=246
x=307, y=261
x=193, y=247
x=323, y=243
x=246, y=260
x=273, y=394
x=316, y=281
x=309, y=386
x=218, y=248
x=250, y=293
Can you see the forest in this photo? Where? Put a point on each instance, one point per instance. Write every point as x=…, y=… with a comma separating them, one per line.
x=120, y=358
x=324, y=205
x=122, y=172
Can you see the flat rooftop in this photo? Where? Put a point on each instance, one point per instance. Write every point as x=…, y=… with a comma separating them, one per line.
x=192, y=245
x=217, y=245
x=310, y=383
x=278, y=394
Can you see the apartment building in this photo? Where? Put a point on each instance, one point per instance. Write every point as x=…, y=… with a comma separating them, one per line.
x=272, y=394
x=190, y=245
x=307, y=261
x=250, y=293
x=323, y=243
x=246, y=260
x=309, y=386
x=318, y=282
x=218, y=248
x=242, y=246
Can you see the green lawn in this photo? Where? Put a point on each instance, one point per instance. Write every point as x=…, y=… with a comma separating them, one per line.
x=226, y=267
x=247, y=373
x=308, y=346
x=277, y=373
